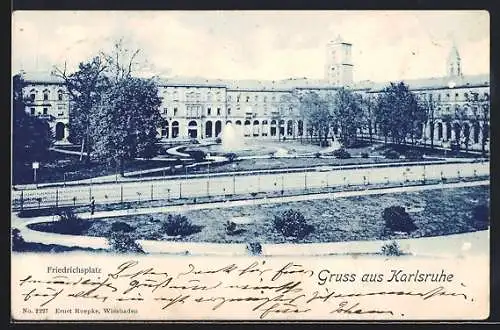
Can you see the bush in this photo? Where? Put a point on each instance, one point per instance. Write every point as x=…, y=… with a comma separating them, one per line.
x=254, y=248
x=231, y=156
x=414, y=155
x=365, y=155
x=230, y=227
x=342, y=153
x=392, y=249
x=392, y=154
x=179, y=225
x=480, y=217
x=122, y=243
x=70, y=223
x=397, y=219
x=121, y=226
x=197, y=155
x=292, y=223
x=218, y=140
x=317, y=155
x=17, y=240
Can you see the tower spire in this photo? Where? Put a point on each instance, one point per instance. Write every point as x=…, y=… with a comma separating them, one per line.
x=454, y=67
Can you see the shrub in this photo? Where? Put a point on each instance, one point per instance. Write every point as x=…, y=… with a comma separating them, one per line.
x=391, y=249
x=17, y=240
x=342, y=153
x=122, y=243
x=392, y=154
x=317, y=155
x=365, y=155
x=198, y=155
x=480, y=217
x=414, y=155
x=70, y=223
x=254, y=248
x=218, y=140
x=292, y=223
x=397, y=219
x=179, y=225
x=121, y=226
x=230, y=227
x=231, y=156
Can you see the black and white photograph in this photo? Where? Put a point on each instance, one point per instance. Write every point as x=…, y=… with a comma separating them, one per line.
x=256, y=165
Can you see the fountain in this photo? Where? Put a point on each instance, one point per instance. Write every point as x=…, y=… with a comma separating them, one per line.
x=232, y=138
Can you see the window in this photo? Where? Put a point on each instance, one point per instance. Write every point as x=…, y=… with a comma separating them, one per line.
x=32, y=95
x=175, y=111
x=466, y=96
x=248, y=99
x=218, y=111
x=229, y=111
x=45, y=110
x=238, y=98
x=60, y=95
x=456, y=96
x=165, y=111
x=60, y=114
x=45, y=95
x=32, y=111
x=265, y=98
x=209, y=111
x=229, y=98
x=256, y=98
x=486, y=96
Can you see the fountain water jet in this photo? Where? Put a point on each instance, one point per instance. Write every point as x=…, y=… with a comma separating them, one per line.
x=232, y=137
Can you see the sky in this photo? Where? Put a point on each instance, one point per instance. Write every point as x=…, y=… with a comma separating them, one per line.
x=267, y=45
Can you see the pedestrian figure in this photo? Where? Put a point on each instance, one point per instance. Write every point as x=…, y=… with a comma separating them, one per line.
x=92, y=206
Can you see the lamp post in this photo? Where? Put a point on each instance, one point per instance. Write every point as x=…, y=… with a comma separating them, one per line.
x=208, y=175
x=35, y=166
x=234, y=179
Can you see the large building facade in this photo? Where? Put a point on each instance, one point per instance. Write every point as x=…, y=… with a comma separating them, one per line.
x=199, y=108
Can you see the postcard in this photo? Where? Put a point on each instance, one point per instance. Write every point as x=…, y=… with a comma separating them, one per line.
x=250, y=165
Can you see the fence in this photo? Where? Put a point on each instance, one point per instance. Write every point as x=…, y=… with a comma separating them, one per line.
x=231, y=185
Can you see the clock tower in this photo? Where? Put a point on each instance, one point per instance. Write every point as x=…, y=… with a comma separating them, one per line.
x=339, y=67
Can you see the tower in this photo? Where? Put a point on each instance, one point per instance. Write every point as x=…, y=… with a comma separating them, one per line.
x=339, y=67
x=453, y=65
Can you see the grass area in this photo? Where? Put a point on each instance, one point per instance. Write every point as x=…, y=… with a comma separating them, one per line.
x=57, y=167
x=435, y=212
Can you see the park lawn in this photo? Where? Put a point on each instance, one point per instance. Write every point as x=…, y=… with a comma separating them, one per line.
x=55, y=165
x=435, y=212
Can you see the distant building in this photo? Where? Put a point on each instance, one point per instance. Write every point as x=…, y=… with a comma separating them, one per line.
x=199, y=108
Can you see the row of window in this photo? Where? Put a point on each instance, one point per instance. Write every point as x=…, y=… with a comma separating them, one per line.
x=46, y=95
x=447, y=96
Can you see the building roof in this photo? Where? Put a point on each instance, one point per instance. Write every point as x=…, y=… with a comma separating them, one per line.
x=41, y=77
x=481, y=80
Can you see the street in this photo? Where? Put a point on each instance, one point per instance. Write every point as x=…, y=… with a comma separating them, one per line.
x=240, y=184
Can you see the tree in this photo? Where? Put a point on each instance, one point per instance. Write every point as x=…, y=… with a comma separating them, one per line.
x=85, y=87
x=346, y=111
x=398, y=113
x=480, y=116
x=318, y=115
x=461, y=119
x=368, y=105
x=429, y=106
x=31, y=136
x=125, y=125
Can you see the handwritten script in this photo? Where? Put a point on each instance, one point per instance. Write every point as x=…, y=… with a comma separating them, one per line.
x=289, y=290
